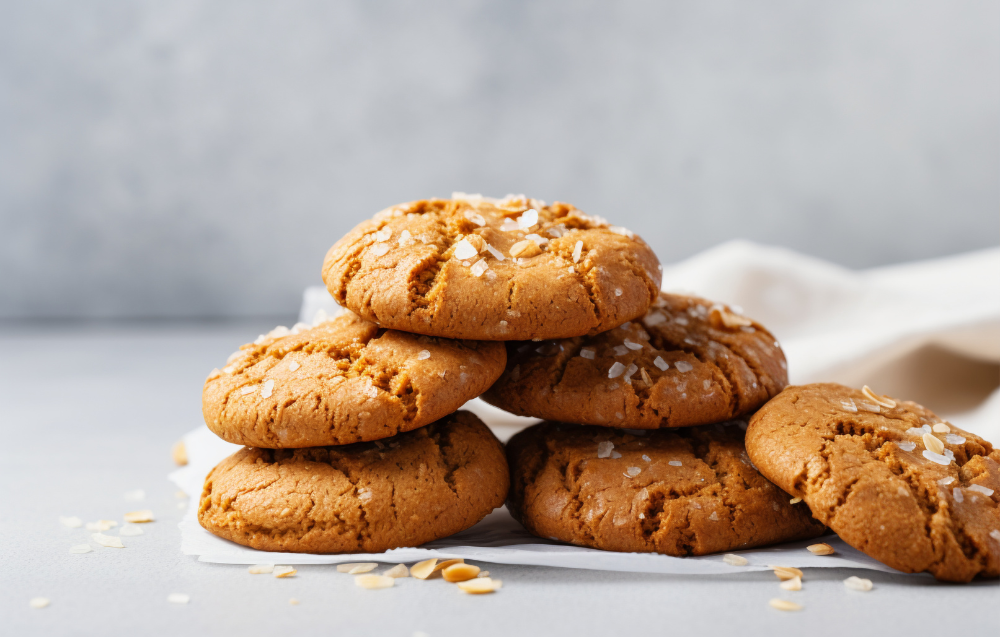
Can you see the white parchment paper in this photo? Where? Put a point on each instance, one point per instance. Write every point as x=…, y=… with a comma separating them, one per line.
x=867, y=327
x=498, y=539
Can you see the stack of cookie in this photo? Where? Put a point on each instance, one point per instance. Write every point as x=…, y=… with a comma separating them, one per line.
x=353, y=439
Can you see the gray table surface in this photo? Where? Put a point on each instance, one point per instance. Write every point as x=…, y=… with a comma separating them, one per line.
x=90, y=412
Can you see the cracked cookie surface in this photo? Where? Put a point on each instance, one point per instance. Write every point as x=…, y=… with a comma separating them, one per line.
x=689, y=491
x=487, y=269
x=862, y=464
x=343, y=381
x=368, y=497
x=686, y=362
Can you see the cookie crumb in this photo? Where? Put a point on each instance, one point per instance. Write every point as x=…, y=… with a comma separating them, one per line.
x=475, y=218
x=653, y=319
x=496, y=253
x=178, y=598
x=786, y=572
x=384, y=234
x=108, y=541
x=379, y=249
x=179, y=453
x=374, y=582
x=882, y=401
x=465, y=250
x=39, y=602
x=423, y=570
x=719, y=316
x=525, y=249
x=139, y=517
x=932, y=444
x=735, y=560
x=284, y=571
x=267, y=388
x=460, y=572
x=858, y=583
x=820, y=549
x=645, y=377
x=397, y=571
x=794, y=584
x=479, y=267
x=528, y=219
x=480, y=585
x=784, y=604
x=936, y=458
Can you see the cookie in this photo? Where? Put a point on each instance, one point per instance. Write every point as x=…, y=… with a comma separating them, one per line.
x=680, y=492
x=488, y=269
x=342, y=381
x=367, y=497
x=888, y=476
x=687, y=362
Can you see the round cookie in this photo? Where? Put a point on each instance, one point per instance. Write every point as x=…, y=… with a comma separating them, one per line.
x=342, y=381
x=680, y=492
x=368, y=497
x=687, y=362
x=861, y=463
x=447, y=267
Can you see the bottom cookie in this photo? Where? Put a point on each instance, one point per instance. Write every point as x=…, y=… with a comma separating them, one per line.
x=366, y=497
x=685, y=491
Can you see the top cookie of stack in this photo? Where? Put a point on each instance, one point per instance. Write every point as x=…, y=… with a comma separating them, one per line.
x=486, y=269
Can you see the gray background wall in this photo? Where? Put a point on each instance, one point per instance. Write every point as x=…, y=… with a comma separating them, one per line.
x=193, y=158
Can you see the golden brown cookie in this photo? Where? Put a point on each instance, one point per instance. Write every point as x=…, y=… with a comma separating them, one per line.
x=687, y=362
x=368, y=497
x=888, y=476
x=345, y=380
x=488, y=269
x=688, y=491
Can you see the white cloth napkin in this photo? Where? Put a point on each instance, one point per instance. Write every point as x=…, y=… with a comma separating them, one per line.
x=926, y=331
